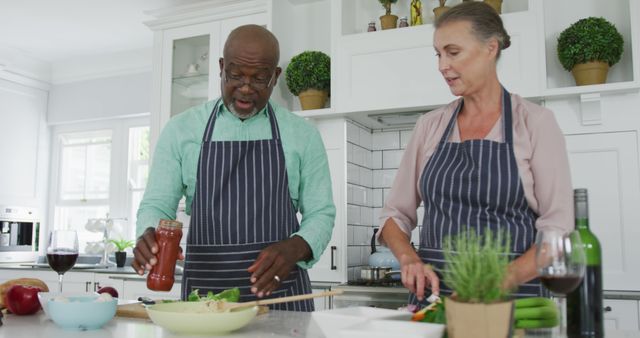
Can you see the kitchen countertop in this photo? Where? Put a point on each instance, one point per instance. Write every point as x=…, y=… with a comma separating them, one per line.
x=273, y=324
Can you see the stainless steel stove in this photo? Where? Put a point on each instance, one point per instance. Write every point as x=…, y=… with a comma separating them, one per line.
x=388, y=294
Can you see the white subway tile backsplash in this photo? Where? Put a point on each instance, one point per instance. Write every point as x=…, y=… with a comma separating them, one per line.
x=353, y=214
x=391, y=159
x=354, y=256
x=368, y=157
x=366, y=177
x=351, y=239
x=350, y=193
x=353, y=173
x=365, y=252
x=350, y=152
x=386, y=140
x=365, y=138
x=353, y=133
x=376, y=217
x=384, y=178
x=366, y=216
x=376, y=159
x=359, y=195
x=385, y=194
x=360, y=235
x=377, y=198
x=405, y=137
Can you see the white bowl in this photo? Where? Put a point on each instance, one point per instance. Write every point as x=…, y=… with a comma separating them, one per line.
x=392, y=329
x=331, y=321
x=81, y=312
x=44, y=297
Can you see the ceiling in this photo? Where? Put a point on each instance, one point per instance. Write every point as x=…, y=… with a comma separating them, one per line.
x=56, y=30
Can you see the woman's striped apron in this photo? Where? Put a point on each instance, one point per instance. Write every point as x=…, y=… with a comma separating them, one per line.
x=241, y=205
x=475, y=185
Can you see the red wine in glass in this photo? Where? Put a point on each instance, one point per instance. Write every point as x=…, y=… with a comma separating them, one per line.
x=62, y=252
x=561, y=284
x=62, y=261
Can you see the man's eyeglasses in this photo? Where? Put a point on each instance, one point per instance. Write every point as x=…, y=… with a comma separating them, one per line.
x=256, y=84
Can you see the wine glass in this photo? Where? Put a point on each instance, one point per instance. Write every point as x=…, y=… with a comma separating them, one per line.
x=62, y=252
x=560, y=262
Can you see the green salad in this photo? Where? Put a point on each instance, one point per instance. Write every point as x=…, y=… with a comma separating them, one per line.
x=229, y=295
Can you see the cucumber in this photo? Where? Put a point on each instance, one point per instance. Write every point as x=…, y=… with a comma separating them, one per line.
x=536, y=323
x=541, y=312
x=533, y=302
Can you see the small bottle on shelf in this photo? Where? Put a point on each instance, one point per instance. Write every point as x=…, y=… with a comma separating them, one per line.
x=403, y=22
x=372, y=26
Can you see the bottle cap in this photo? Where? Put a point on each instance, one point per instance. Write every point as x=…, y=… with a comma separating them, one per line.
x=169, y=223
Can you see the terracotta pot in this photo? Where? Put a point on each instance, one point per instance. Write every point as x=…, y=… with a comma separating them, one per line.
x=477, y=320
x=439, y=10
x=388, y=21
x=313, y=99
x=590, y=73
x=496, y=4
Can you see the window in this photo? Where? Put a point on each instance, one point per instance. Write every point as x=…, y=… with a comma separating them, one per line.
x=102, y=171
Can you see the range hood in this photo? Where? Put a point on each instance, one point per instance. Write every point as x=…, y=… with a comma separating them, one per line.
x=393, y=120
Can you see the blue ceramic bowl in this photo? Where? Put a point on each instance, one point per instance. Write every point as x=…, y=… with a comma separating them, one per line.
x=81, y=312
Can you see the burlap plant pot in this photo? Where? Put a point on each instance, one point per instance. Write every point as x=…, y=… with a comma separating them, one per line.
x=388, y=21
x=590, y=73
x=313, y=99
x=477, y=320
x=496, y=4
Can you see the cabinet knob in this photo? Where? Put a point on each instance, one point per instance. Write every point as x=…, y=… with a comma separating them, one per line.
x=607, y=309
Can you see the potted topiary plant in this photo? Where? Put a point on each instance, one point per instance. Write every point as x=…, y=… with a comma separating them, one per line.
x=308, y=76
x=121, y=254
x=476, y=268
x=588, y=48
x=388, y=20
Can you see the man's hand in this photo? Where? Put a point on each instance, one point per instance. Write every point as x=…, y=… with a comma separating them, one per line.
x=275, y=262
x=145, y=252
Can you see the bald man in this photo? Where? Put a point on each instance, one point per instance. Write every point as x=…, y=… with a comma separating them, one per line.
x=246, y=167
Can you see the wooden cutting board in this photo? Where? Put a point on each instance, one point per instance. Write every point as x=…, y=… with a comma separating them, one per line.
x=137, y=310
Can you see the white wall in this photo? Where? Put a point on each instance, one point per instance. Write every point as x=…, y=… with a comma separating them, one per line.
x=100, y=98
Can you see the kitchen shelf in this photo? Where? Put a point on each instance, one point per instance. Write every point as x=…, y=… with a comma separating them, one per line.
x=188, y=81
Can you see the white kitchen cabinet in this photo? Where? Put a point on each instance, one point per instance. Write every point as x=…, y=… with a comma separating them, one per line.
x=101, y=280
x=607, y=164
x=134, y=288
x=24, y=140
x=621, y=314
x=188, y=41
x=332, y=266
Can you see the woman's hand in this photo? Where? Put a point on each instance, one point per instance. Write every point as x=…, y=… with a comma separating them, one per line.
x=417, y=276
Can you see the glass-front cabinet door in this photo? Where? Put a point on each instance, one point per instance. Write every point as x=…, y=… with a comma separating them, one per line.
x=189, y=68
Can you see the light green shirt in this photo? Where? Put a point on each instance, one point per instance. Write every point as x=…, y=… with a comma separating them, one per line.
x=175, y=166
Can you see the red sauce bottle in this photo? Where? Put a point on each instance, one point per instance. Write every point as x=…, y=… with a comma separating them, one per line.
x=168, y=235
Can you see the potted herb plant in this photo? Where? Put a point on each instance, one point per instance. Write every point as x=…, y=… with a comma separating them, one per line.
x=388, y=20
x=121, y=254
x=308, y=76
x=476, y=268
x=588, y=48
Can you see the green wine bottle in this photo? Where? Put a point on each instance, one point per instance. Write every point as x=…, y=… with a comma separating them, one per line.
x=584, y=304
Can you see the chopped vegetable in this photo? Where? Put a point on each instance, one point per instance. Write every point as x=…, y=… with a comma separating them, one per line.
x=434, y=313
x=229, y=295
